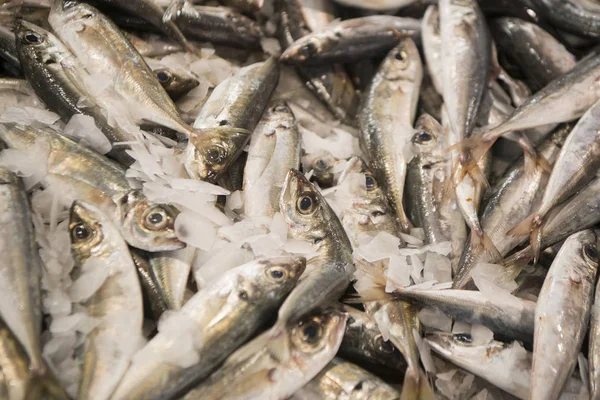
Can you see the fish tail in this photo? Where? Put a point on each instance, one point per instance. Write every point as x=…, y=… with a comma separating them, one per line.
x=523, y=228
x=416, y=386
x=478, y=177
x=479, y=239
x=534, y=160
x=535, y=239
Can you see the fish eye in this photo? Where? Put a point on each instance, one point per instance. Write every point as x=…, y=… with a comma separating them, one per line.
x=216, y=154
x=370, y=182
x=401, y=55
x=463, y=338
x=280, y=108
x=311, y=332
x=33, y=38
x=590, y=252
x=80, y=233
x=164, y=76
x=277, y=273
x=243, y=295
x=87, y=16
x=321, y=164
x=306, y=204
x=384, y=346
x=422, y=137
x=309, y=49
x=156, y=218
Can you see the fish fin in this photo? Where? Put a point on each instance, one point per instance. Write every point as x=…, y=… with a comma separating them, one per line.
x=366, y=296
x=425, y=388
x=416, y=386
x=480, y=239
x=535, y=239
x=173, y=10
x=372, y=270
x=478, y=176
x=533, y=160
x=523, y=228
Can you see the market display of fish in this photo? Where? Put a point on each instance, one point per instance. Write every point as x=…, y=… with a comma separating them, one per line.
x=299, y=199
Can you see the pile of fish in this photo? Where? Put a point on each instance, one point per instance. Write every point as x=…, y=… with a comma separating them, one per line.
x=299, y=199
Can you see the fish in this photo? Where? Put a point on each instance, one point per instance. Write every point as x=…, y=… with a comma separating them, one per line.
x=513, y=319
x=76, y=172
x=541, y=57
x=245, y=5
x=330, y=83
x=229, y=116
x=576, y=16
x=366, y=208
x=209, y=327
x=21, y=271
x=562, y=314
x=575, y=166
x=153, y=13
x=329, y=273
x=58, y=79
x=256, y=372
x=575, y=214
x=170, y=270
x=432, y=46
x=364, y=343
x=218, y=25
x=322, y=164
x=152, y=45
x=274, y=150
x=517, y=193
x=318, y=13
x=154, y=302
x=386, y=120
x=594, y=351
x=96, y=244
x=504, y=365
x=376, y=5
x=432, y=207
x=176, y=85
x=343, y=380
x=350, y=40
x=8, y=47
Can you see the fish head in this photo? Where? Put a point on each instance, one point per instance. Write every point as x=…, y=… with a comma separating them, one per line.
x=71, y=12
x=322, y=165
x=317, y=337
x=403, y=62
x=175, y=84
x=303, y=208
x=35, y=43
x=147, y=225
x=211, y=152
x=427, y=135
x=301, y=50
x=85, y=231
x=279, y=275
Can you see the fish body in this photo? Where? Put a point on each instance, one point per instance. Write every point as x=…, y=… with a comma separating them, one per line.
x=213, y=323
x=96, y=244
x=8, y=47
x=562, y=314
x=255, y=371
x=576, y=16
x=386, y=122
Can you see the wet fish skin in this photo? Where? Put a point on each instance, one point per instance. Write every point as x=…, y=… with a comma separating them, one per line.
x=343, y=380
x=274, y=150
x=57, y=79
x=8, y=47
x=21, y=269
x=363, y=342
x=331, y=84
x=329, y=273
x=255, y=371
x=376, y=5
x=318, y=13
x=576, y=16
x=245, y=5
x=369, y=210
x=433, y=208
x=154, y=303
x=562, y=314
x=386, y=121
x=152, y=45
x=218, y=25
x=219, y=318
x=117, y=304
x=350, y=40
x=487, y=360
x=515, y=195
x=228, y=117
x=508, y=320
x=77, y=172
x=176, y=85
x=541, y=57
x=432, y=46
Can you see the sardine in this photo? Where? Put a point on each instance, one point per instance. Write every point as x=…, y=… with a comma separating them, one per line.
x=343, y=380
x=562, y=315
x=96, y=244
x=331, y=84
x=229, y=115
x=541, y=57
x=8, y=47
x=176, y=85
x=212, y=324
x=581, y=17
x=505, y=365
x=57, y=78
x=76, y=172
x=245, y=5
x=513, y=198
x=432, y=46
x=318, y=13
x=154, y=302
x=577, y=164
x=376, y=5
x=363, y=342
x=218, y=25
x=328, y=274
x=255, y=371
x=385, y=119
x=274, y=150
x=350, y=40
x=21, y=270
x=171, y=270
x=593, y=348
x=152, y=45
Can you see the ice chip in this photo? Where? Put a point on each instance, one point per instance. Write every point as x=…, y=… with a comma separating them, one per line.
x=481, y=335
x=195, y=230
x=434, y=318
